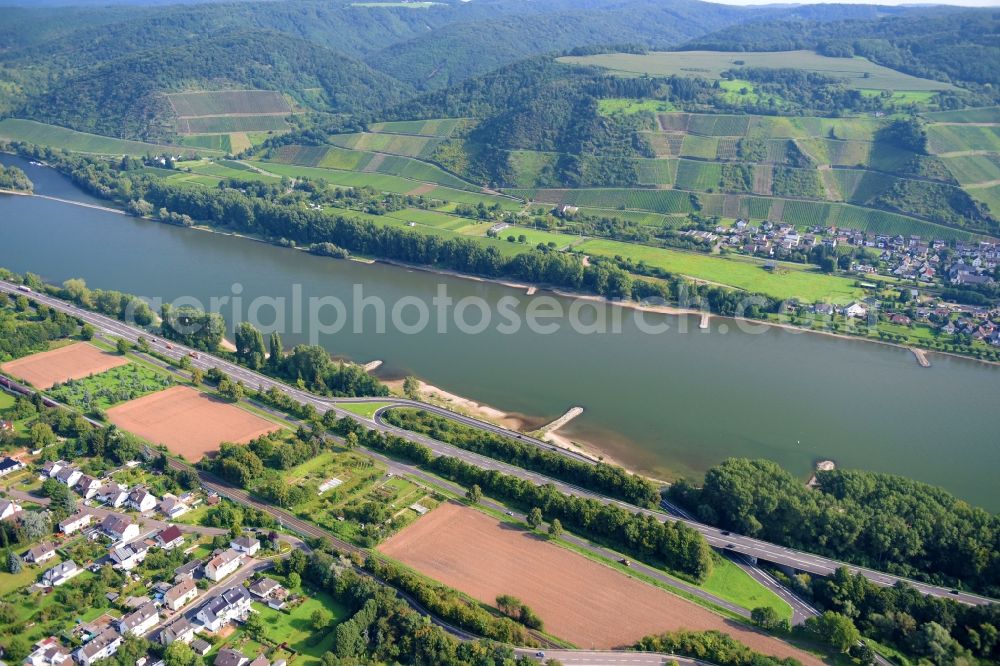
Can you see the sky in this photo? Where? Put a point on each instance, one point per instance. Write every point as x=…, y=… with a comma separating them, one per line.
x=962, y=3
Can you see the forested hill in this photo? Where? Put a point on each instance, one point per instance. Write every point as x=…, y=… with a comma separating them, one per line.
x=956, y=46
x=121, y=97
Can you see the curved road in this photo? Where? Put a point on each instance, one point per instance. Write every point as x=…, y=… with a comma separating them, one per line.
x=730, y=543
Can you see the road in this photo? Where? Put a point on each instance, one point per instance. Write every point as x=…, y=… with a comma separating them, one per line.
x=610, y=658
x=747, y=546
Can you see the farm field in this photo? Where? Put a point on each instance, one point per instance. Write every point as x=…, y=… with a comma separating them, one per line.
x=944, y=139
x=711, y=64
x=985, y=114
x=216, y=124
x=439, y=127
x=656, y=201
x=484, y=558
x=53, y=136
x=528, y=165
x=75, y=361
x=396, y=144
x=783, y=283
x=610, y=106
x=972, y=169
x=222, y=102
x=988, y=195
x=188, y=422
x=119, y=384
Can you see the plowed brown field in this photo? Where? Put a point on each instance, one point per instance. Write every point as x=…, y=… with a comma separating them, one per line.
x=45, y=369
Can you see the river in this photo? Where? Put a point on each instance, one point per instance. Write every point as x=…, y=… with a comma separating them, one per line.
x=671, y=404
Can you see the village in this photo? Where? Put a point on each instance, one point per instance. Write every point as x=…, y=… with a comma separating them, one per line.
x=179, y=581
x=919, y=269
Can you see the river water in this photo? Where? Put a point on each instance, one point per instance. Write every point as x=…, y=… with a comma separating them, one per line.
x=670, y=404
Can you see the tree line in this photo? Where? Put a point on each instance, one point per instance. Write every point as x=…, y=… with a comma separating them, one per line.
x=871, y=519
x=607, y=479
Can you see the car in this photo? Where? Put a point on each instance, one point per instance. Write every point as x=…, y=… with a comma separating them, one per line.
x=724, y=532
x=730, y=546
x=625, y=562
x=955, y=592
x=540, y=654
x=510, y=513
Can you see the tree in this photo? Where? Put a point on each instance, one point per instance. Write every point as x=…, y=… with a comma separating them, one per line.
x=250, y=346
x=276, y=352
x=179, y=653
x=765, y=617
x=197, y=376
x=41, y=436
x=834, y=629
x=16, y=649
x=35, y=525
x=320, y=619
x=14, y=563
x=294, y=580
x=123, y=346
x=474, y=494
x=534, y=518
x=254, y=625
x=555, y=528
x=411, y=388
x=87, y=332
x=230, y=390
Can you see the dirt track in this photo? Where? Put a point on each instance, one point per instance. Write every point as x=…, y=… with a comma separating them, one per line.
x=45, y=369
x=579, y=600
x=188, y=422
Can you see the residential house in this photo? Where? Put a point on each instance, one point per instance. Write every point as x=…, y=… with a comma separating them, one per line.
x=128, y=556
x=87, y=486
x=43, y=552
x=170, y=537
x=180, y=595
x=48, y=652
x=178, y=630
x=60, y=573
x=113, y=495
x=51, y=468
x=269, y=590
x=247, y=545
x=68, y=476
x=75, y=523
x=119, y=528
x=217, y=612
x=187, y=571
x=141, y=500
x=230, y=657
x=9, y=509
x=855, y=310
x=102, y=646
x=140, y=621
x=171, y=507
x=10, y=465
x=223, y=564
x=261, y=660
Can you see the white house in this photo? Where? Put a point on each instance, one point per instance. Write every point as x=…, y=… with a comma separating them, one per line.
x=87, y=486
x=217, y=612
x=141, y=500
x=119, y=528
x=48, y=652
x=171, y=507
x=60, y=573
x=68, y=476
x=128, y=556
x=9, y=465
x=9, y=509
x=50, y=468
x=230, y=657
x=75, y=523
x=102, y=646
x=223, y=564
x=245, y=544
x=855, y=310
x=180, y=595
x=139, y=621
x=178, y=630
x=112, y=494
x=170, y=537
x=43, y=552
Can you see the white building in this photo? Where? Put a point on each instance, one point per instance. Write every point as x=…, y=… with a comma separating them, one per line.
x=43, y=552
x=87, y=486
x=60, y=573
x=75, y=523
x=180, y=595
x=9, y=509
x=171, y=507
x=48, y=652
x=112, y=494
x=233, y=604
x=119, y=528
x=139, y=621
x=245, y=544
x=141, y=500
x=223, y=564
x=178, y=630
x=102, y=646
x=128, y=556
x=68, y=476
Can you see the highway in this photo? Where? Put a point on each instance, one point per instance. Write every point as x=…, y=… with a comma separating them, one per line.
x=729, y=543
